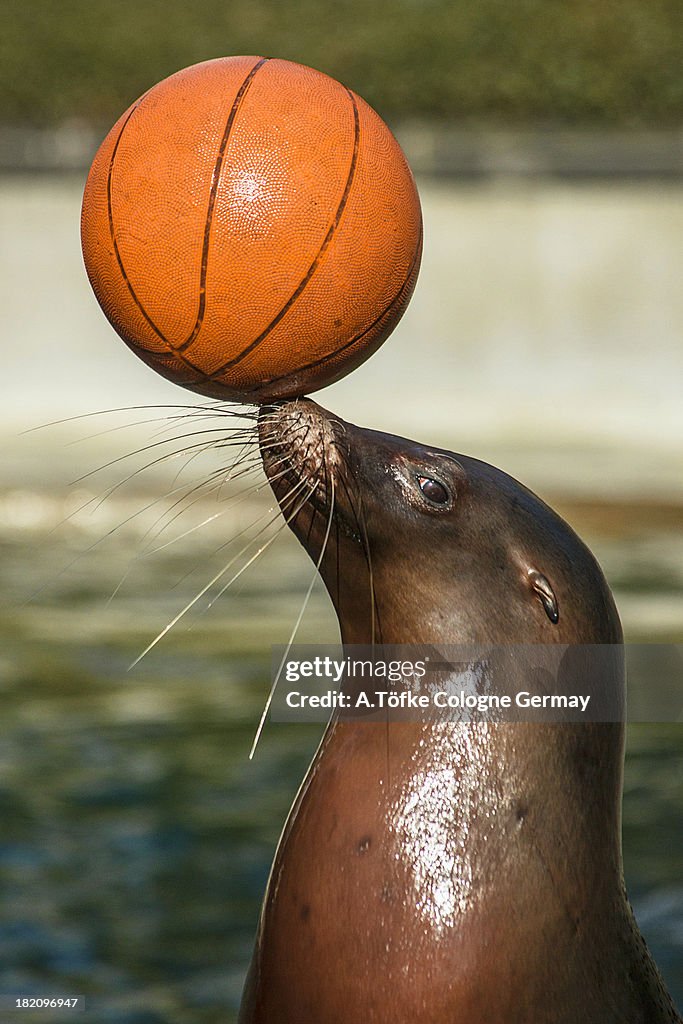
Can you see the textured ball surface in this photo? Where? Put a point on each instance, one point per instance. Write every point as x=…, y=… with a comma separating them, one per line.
x=251, y=229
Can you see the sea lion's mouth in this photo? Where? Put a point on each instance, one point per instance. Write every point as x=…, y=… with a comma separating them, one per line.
x=301, y=450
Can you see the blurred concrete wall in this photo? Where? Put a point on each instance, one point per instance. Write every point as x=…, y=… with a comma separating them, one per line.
x=545, y=333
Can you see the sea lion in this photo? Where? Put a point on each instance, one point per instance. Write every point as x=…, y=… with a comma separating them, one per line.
x=438, y=873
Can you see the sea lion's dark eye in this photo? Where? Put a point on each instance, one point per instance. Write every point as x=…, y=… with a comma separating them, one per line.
x=433, y=491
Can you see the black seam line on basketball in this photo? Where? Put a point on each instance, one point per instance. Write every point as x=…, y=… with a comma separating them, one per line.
x=119, y=258
x=171, y=348
x=319, y=255
x=215, y=181
x=112, y=231
x=354, y=340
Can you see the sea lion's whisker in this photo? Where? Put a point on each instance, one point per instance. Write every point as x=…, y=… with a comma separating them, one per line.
x=368, y=555
x=277, y=476
x=305, y=457
x=118, y=586
x=356, y=507
x=215, y=481
x=211, y=583
x=151, y=447
x=201, y=490
x=215, y=446
x=100, y=540
x=231, y=428
x=167, y=423
x=222, y=409
x=141, y=469
x=100, y=412
x=294, y=489
x=271, y=692
x=231, y=540
x=266, y=446
x=199, y=526
x=231, y=470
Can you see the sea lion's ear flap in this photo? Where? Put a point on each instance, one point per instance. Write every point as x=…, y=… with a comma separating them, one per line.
x=541, y=586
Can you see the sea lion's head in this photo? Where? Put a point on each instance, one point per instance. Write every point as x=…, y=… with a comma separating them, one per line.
x=434, y=546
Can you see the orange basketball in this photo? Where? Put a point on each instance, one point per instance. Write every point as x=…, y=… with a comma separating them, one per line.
x=251, y=229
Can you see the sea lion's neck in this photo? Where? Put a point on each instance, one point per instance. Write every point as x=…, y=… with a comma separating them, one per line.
x=476, y=809
x=498, y=808
x=461, y=859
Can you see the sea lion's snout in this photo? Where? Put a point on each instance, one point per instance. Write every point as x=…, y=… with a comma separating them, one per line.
x=299, y=449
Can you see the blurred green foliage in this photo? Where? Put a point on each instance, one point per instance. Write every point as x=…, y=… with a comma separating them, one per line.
x=604, y=62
